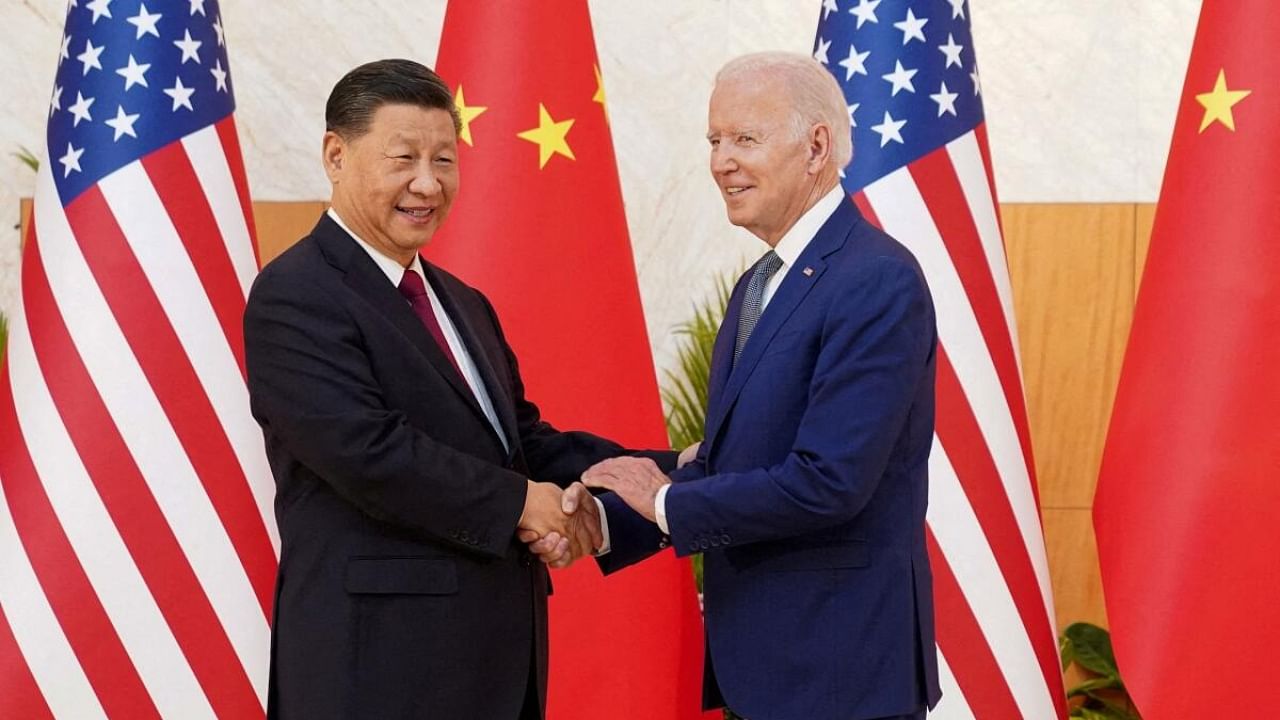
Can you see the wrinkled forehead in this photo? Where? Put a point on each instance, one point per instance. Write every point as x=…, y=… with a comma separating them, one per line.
x=744, y=103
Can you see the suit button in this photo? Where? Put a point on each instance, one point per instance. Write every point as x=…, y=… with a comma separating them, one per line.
x=663, y=543
x=715, y=541
x=703, y=544
x=724, y=539
x=694, y=548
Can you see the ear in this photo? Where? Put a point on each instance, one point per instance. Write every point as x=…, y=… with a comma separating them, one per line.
x=333, y=153
x=819, y=148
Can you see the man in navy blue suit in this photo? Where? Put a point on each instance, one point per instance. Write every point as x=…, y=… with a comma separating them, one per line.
x=807, y=495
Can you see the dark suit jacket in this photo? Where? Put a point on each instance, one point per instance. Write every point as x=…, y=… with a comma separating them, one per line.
x=402, y=590
x=808, y=495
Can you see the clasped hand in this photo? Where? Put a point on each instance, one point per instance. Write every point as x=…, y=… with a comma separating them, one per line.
x=560, y=526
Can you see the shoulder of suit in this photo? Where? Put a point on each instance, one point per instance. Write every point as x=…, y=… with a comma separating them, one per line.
x=302, y=254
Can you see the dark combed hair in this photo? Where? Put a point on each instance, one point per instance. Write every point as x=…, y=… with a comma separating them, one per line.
x=360, y=93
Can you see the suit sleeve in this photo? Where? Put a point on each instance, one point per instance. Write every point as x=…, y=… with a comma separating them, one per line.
x=313, y=390
x=877, y=348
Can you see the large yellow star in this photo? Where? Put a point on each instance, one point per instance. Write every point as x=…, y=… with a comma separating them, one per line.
x=1217, y=104
x=549, y=136
x=599, y=96
x=467, y=113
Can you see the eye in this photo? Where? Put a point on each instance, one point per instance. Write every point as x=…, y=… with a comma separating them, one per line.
x=445, y=160
x=746, y=139
x=715, y=142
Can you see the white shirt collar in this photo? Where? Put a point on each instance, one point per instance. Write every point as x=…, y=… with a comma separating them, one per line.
x=806, y=228
x=389, y=267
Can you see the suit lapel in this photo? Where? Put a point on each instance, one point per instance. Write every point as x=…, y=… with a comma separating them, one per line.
x=722, y=359
x=364, y=277
x=795, y=287
x=466, y=324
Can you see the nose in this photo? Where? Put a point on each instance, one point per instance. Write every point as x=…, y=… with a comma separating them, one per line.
x=722, y=160
x=425, y=182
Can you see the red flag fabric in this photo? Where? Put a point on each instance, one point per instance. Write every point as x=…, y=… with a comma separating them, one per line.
x=137, y=539
x=539, y=227
x=1189, y=490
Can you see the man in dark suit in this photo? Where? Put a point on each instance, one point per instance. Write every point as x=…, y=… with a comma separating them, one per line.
x=403, y=448
x=807, y=496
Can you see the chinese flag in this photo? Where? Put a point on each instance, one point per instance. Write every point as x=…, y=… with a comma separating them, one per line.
x=1187, y=512
x=539, y=227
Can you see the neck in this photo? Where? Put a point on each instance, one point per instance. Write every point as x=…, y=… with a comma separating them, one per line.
x=823, y=184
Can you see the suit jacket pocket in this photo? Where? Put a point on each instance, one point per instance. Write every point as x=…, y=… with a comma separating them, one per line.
x=401, y=576
x=836, y=555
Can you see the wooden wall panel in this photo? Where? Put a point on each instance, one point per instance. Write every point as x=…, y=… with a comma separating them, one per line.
x=1146, y=217
x=1072, y=276
x=281, y=224
x=1073, y=564
x=24, y=214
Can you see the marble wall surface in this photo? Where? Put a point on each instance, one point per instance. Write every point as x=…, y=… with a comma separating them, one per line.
x=1080, y=99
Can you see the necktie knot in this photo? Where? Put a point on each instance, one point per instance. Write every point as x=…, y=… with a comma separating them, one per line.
x=769, y=264
x=411, y=286
x=753, y=299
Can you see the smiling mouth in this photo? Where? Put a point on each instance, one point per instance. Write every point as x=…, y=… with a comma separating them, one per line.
x=736, y=190
x=417, y=213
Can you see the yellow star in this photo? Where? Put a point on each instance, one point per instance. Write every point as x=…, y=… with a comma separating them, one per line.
x=550, y=137
x=599, y=96
x=1217, y=104
x=467, y=113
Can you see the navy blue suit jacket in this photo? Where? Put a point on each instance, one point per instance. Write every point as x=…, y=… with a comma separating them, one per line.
x=808, y=496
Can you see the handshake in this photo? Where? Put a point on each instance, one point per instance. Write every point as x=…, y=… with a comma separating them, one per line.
x=560, y=526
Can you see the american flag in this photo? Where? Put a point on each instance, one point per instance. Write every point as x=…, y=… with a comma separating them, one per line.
x=137, y=544
x=921, y=170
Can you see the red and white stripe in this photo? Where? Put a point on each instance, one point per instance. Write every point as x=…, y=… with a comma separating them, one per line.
x=994, y=603
x=137, y=537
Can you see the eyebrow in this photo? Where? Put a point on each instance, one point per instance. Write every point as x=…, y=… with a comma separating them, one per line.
x=733, y=131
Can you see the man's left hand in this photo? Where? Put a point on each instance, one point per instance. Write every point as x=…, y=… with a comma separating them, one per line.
x=635, y=480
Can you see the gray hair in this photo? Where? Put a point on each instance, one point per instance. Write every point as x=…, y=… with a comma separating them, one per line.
x=815, y=94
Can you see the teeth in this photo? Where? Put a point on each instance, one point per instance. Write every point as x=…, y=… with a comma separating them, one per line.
x=416, y=213
x=734, y=190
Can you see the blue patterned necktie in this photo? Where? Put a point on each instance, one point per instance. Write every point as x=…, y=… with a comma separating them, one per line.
x=754, y=299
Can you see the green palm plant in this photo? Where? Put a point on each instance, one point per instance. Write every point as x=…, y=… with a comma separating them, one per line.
x=685, y=388
x=27, y=157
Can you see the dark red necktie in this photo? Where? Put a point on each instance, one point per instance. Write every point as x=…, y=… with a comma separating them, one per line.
x=415, y=291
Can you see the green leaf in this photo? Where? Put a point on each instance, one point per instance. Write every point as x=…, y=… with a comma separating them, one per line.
x=1066, y=651
x=28, y=158
x=4, y=338
x=685, y=387
x=1091, y=646
x=1088, y=686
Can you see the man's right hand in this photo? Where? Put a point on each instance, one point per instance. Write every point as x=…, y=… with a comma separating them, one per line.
x=542, y=513
x=582, y=535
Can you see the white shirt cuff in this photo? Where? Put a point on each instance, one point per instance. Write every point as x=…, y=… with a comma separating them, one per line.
x=604, y=530
x=660, y=508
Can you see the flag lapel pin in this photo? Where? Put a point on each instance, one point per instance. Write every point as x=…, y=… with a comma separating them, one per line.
x=808, y=272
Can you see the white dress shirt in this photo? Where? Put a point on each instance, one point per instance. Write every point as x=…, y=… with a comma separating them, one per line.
x=788, y=250
x=470, y=373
